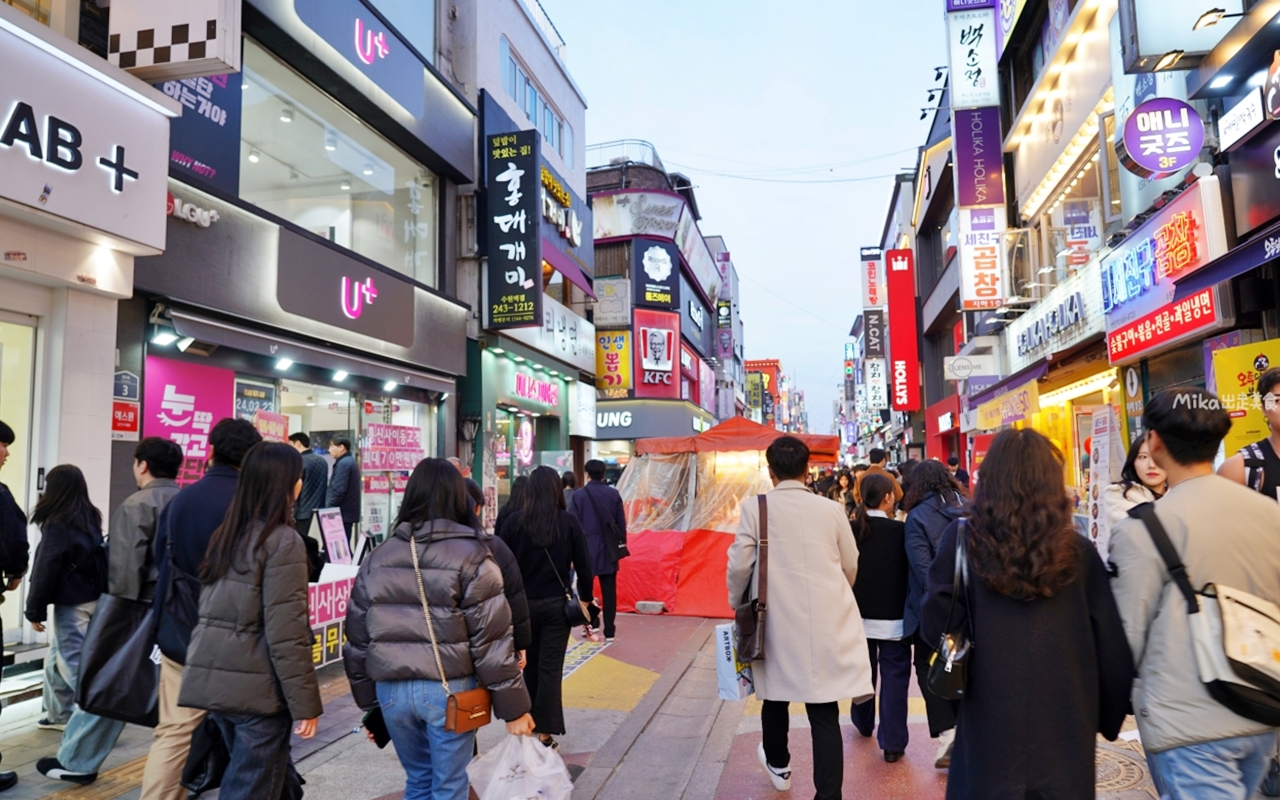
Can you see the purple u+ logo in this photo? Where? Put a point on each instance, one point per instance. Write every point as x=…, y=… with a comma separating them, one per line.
x=356, y=295
x=370, y=46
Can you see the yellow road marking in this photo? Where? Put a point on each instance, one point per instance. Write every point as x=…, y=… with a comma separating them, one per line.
x=606, y=683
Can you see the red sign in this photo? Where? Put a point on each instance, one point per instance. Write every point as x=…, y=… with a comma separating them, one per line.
x=1163, y=325
x=657, y=351
x=904, y=351
x=272, y=426
x=126, y=417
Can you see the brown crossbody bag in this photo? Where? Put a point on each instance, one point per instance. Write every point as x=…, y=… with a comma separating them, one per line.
x=464, y=711
x=749, y=617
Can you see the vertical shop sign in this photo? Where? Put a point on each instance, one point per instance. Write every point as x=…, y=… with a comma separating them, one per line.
x=874, y=333
x=182, y=402
x=979, y=157
x=904, y=352
x=204, y=143
x=514, y=275
x=755, y=390
x=982, y=272
x=1162, y=137
x=971, y=39
x=613, y=360
x=656, y=352
x=871, y=269
x=656, y=270
x=1236, y=370
x=126, y=408
x=877, y=384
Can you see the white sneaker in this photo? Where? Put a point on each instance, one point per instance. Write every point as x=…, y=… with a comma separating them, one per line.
x=945, y=740
x=781, y=777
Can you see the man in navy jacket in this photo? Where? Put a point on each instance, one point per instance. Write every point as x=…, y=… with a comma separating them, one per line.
x=596, y=505
x=344, y=484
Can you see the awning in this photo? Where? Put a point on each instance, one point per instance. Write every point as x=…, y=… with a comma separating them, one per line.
x=1254, y=253
x=566, y=267
x=1032, y=373
x=214, y=331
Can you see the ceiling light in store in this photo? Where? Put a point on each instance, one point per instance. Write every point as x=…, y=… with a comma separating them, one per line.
x=1169, y=60
x=185, y=342
x=569, y=378
x=555, y=372
x=286, y=114
x=1221, y=81
x=345, y=186
x=310, y=405
x=497, y=351
x=513, y=410
x=1211, y=17
x=340, y=375
x=284, y=364
x=538, y=366
x=518, y=359
x=389, y=386
x=368, y=169
x=534, y=414
x=1079, y=389
x=164, y=337
x=254, y=155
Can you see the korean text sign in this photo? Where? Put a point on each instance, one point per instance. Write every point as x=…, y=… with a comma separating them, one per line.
x=514, y=275
x=971, y=37
x=1162, y=137
x=871, y=269
x=877, y=384
x=904, y=350
x=391, y=448
x=613, y=359
x=204, y=142
x=982, y=272
x=183, y=402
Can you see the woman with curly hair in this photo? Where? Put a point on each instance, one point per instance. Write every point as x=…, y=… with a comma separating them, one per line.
x=1048, y=640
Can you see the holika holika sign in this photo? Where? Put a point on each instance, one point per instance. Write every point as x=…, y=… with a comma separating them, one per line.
x=514, y=276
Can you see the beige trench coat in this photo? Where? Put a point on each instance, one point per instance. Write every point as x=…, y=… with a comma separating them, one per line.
x=815, y=650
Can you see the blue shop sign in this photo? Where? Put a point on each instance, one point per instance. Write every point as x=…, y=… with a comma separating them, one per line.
x=373, y=48
x=204, y=143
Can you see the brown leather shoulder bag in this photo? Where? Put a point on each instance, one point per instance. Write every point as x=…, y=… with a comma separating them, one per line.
x=749, y=617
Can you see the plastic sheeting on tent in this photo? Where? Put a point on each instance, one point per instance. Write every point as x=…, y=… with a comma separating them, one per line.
x=683, y=497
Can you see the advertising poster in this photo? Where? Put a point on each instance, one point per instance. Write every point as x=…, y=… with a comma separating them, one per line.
x=204, y=143
x=182, y=402
x=1100, y=478
x=335, y=535
x=327, y=613
x=613, y=360
x=391, y=448
x=272, y=426
x=514, y=275
x=1236, y=370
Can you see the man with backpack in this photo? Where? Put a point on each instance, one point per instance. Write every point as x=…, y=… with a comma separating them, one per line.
x=1213, y=530
x=186, y=526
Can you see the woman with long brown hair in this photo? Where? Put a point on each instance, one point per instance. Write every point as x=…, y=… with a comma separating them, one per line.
x=1050, y=666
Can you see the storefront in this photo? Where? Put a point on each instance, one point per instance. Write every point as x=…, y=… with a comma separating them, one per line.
x=83, y=149
x=619, y=423
x=942, y=430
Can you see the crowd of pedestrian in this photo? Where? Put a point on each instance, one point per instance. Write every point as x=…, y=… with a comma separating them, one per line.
x=1051, y=643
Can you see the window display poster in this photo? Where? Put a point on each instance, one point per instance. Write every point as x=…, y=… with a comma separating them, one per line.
x=204, y=143
x=1236, y=370
x=335, y=535
x=1103, y=429
x=182, y=402
x=391, y=448
x=252, y=397
x=272, y=426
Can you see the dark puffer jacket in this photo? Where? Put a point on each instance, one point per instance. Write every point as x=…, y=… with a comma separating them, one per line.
x=251, y=651
x=387, y=637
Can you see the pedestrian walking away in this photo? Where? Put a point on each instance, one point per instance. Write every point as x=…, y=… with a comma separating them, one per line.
x=249, y=662
x=389, y=657
x=935, y=501
x=132, y=575
x=550, y=548
x=597, y=506
x=1048, y=642
x=512, y=580
x=881, y=590
x=815, y=651
x=1198, y=748
x=14, y=555
x=182, y=538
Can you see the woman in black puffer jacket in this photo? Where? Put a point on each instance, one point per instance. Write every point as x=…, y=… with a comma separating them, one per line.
x=388, y=656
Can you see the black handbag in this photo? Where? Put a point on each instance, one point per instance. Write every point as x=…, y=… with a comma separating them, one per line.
x=949, y=664
x=748, y=618
x=207, y=760
x=118, y=678
x=614, y=539
x=575, y=611
x=180, y=610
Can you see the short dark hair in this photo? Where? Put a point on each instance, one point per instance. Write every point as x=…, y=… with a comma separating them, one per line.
x=7, y=435
x=877, y=455
x=231, y=439
x=1268, y=381
x=162, y=456
x=953, y=462
x=595, y=469
x=788, y=457
x=474, y=491
x=436, y=490
x=301, y=438
x=343, y=441
x=569, y=480
x=1191, y=423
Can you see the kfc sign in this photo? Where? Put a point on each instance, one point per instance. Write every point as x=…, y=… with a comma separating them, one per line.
x=904, y=353
x=657, y=342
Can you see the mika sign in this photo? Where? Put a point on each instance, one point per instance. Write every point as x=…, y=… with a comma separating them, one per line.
x=904, y=351
x=514, y=276
x=1162, y=137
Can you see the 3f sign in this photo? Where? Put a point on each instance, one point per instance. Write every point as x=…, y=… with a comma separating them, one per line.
x=61, y=145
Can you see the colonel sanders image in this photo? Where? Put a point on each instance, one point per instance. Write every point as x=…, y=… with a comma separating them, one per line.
x=656, y=345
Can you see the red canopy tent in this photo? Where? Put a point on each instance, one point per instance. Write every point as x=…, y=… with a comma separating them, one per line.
x=682, y=497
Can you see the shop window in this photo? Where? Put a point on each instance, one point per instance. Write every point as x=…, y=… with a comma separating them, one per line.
x=36, y=9
x=396, y=434
x=1112, y=210
x=306, y=159
x=17, y=365
x=1074, y=227
x=415, y=21
x=554, y=285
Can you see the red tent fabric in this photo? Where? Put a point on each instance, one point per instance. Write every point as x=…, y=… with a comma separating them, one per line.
x=739, y=433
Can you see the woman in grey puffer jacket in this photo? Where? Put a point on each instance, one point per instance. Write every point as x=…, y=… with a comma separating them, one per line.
x=388, y=655
x=249, y=662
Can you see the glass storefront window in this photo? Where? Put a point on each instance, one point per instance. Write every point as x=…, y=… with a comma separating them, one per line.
x=306, y=159
x=1074, y=226
x=17, y=366
x=36, y=9
x=395, y=436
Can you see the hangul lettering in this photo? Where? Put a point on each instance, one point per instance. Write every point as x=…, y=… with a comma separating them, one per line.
x=1152, y=144
x=202, y=421
x=1177, y=141
x=178, y=404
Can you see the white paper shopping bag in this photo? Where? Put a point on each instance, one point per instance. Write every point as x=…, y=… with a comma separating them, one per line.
x=732, y=675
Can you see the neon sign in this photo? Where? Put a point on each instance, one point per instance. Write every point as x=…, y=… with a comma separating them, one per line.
x=1173, y=248
x=543, y=392
x=355, y=296
x=373, y=46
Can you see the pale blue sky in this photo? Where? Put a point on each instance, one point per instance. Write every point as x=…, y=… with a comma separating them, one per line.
x=736, y=87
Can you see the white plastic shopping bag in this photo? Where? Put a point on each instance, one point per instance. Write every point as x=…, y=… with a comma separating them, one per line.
x=519, y=768
x=732, y=675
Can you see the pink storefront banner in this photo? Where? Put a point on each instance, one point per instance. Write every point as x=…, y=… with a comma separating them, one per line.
x=183, y=402
x=327, y=602
x=391, y=448
x=273, y=427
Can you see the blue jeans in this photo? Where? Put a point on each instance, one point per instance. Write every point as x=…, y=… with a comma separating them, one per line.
x=70, y=623
x=259, y=750
x=1227, y=769
x=893, y=660
x=87, y=741
x=434, y=760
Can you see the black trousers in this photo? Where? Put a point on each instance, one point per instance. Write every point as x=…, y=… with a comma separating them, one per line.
x=828, y=744
x=609, y=599
x=544, y=672
x=941, y=713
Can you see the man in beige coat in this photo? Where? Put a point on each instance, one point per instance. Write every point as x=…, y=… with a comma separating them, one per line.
x=815, y=650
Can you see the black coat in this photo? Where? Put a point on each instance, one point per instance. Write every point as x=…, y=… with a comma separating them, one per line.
x=1045, y=677
x=14, y=548
x=882, y=584
x=344, y=489
x=70, y=569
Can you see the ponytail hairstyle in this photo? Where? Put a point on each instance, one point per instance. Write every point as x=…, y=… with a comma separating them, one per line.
x=875, y=488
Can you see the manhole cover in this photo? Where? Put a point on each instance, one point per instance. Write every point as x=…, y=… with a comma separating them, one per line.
x=1116, y=773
